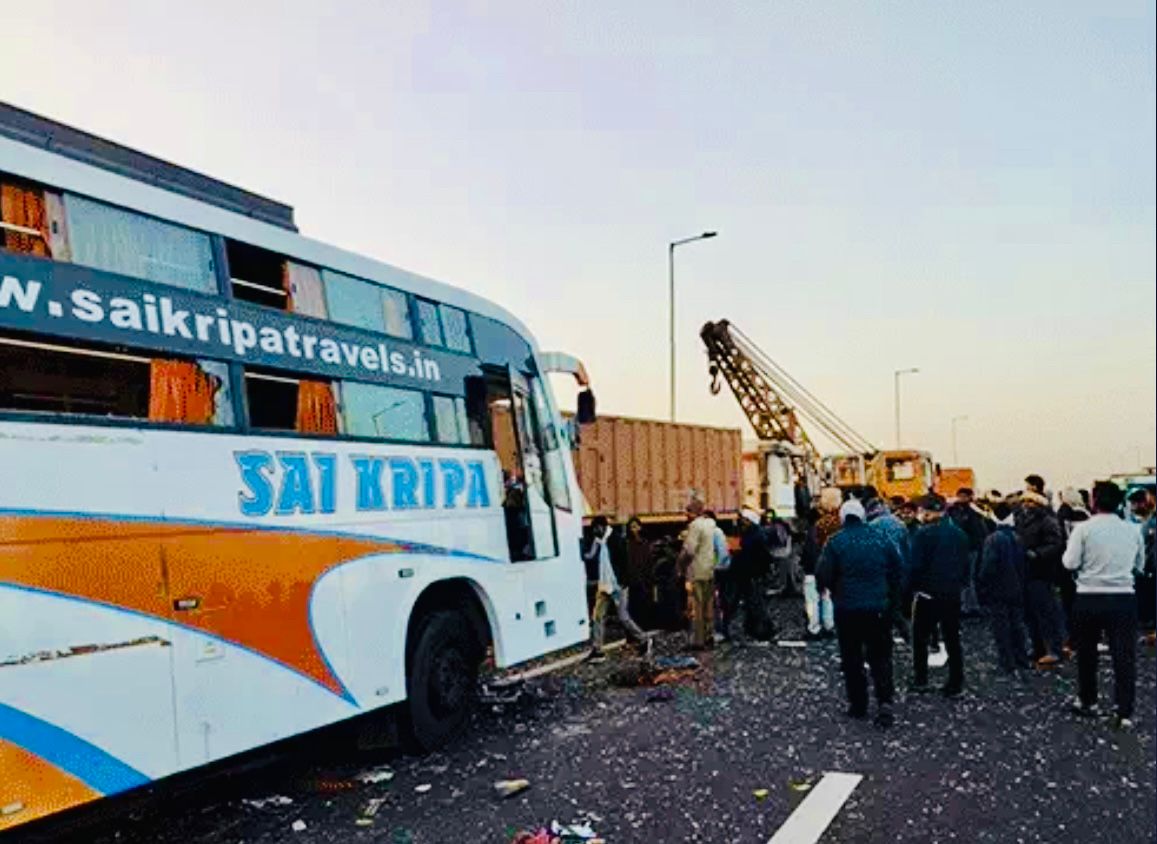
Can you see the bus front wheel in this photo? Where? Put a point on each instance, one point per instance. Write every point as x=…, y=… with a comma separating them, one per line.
x=441, y=681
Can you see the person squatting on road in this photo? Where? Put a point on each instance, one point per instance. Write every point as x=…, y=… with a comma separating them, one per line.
x=1000, y=588
x=697, y=560
x=1040, y=535
x=609, y=591
x=861, y=569
x=939, y=572
x=1106, y=553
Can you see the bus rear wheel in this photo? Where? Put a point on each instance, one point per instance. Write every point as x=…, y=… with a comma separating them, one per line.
x=441, y=681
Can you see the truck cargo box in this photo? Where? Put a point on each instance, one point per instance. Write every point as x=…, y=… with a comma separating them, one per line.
x=648, y=468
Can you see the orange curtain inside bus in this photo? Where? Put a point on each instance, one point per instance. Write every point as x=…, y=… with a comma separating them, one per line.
x=316, y=408
x=180, y=391
x=24, y=207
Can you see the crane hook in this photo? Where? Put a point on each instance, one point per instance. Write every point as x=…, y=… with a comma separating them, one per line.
x=714, y=387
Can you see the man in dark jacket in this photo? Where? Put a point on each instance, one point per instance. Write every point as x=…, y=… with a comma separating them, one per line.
x=1043, y=542
x=939, y=572
x=963, y=512
x=861, y=568
x=1000, y=585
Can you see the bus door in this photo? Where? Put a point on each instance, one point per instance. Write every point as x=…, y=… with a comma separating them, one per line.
x=513, y=436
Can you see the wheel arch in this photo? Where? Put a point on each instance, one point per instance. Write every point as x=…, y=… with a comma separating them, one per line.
x=461, y=594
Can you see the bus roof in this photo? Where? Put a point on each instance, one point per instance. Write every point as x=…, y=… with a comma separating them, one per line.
x=37, y=153
x=29, y=128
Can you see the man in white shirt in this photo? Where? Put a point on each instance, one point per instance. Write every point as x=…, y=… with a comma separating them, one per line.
x=1105, y=553
x=609, y=591
x=698, y=560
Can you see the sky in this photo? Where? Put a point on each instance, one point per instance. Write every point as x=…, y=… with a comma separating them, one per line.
x=963, y=187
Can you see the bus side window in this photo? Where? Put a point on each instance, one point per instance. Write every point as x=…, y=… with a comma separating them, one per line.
x=282, y=402
x=111, y=382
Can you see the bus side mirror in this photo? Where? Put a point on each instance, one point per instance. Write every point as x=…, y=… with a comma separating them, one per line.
x=585, y=411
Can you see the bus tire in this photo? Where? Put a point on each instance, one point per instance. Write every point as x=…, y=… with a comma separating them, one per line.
x=441, y=681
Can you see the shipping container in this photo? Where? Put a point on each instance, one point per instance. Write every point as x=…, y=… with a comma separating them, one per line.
x=649, y=468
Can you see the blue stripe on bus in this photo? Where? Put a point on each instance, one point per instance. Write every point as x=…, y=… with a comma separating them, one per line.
x=96, y=768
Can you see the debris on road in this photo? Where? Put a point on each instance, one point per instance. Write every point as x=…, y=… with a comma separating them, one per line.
x=508, y=788
x=298, y=825
x=760, y=794
x=373, y=776
x=791, y=643
x=423, y=788
x=265, y=802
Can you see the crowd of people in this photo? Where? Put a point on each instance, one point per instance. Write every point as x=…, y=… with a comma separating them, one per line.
x=1053, y=583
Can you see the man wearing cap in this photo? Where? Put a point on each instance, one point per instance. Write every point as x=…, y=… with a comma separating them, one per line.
x=749, y=571
x=939, y=572
x=861, y=569
x=1043, y=541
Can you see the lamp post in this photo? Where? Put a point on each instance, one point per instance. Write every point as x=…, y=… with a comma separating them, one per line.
x=896, y=393
x=955, y=419
x=671, y=300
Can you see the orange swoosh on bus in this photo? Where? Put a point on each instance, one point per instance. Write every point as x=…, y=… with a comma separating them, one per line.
x=250, y=586
x=34, y=788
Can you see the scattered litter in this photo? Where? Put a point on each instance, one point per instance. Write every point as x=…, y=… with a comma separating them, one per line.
x=11, y=809
x=262, y=802
x=372, y=806
x=661, y=694
x=423, y=788
x=667, y=663
x=298, y=825
x=572, y=832
x=331, y=786
x=800, y=785
x=760, y=794
x=375, y=776
x=497, y=692
x=791, y=643
x=364, y=822
x=508, y=788
x=939, y=658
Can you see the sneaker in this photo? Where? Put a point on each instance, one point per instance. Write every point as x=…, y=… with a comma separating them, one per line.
x=1048, y=661
x=1122, y=724
x=885, y=718
x=857, y=713
x=1079, y=708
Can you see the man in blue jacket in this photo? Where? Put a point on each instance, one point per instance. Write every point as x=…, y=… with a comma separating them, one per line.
x=861, y=568
x=1000, y=584
x=939, y=572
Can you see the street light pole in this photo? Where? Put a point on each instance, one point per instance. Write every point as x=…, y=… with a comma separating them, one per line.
x=671, y=303
x=896, y=393
x=955, y=419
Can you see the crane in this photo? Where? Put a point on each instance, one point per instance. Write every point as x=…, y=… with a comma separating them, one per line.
x=774, y=403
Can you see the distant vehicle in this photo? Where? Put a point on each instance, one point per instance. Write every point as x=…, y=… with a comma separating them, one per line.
x=906, y=472
x=951, y=480
x=1144, y=479
x=254, y=485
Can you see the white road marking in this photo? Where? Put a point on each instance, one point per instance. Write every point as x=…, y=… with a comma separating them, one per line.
x=811, y=817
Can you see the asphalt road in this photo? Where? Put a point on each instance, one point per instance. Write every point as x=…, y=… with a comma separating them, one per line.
x=1005, y=763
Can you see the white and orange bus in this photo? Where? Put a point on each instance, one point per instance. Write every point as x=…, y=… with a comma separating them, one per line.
x=250, y=484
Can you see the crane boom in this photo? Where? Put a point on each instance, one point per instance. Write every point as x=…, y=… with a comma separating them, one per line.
x=771, y=398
